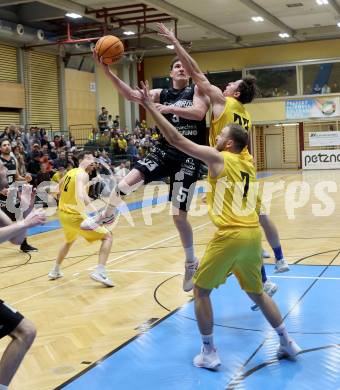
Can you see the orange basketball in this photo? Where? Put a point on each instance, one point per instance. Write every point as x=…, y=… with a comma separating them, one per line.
x=110, y=48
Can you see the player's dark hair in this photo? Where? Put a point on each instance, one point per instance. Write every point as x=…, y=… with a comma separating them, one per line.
x=239, y=135
x=248, y=89
x=82, y=154
x=174, y=60
x=3, y=140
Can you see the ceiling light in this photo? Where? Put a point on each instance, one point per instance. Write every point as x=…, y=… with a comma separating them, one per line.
x=284, y=35
x=171, y=47
x=321, y=2
x=257, y=19
x=73, y=15
x=128, y=33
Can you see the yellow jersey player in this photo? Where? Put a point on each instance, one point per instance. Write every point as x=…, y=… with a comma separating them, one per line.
x=228, y=107
x=236, y=246
x=72, y=203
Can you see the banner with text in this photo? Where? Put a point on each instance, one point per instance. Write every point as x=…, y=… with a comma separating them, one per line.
x=312, y=108
x=324, y=138
x=321, y=159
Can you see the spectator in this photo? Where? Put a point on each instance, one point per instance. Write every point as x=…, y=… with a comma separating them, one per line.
x=110, y=122
x=56, y=141
x=326, y=89
x=104, y=140
x=61, y=161
x=102, y=120
x=116, y=122
x=122, y=144
x=93, y=136
x=316, y=89
x=143, y=124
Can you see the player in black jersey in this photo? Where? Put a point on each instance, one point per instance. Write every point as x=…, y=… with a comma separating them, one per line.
x=12, y=323
x=184, y=107
x=8, y=160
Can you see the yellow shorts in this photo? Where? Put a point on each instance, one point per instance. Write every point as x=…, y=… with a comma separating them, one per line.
x=71, y=225
x=234, y=250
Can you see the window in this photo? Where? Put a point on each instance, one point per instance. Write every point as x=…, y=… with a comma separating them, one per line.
x=278, y=81
x=321, y=78
x=161, y=82
x=221, y=79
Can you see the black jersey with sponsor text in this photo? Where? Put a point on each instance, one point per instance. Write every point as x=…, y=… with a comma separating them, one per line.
x=194, y=130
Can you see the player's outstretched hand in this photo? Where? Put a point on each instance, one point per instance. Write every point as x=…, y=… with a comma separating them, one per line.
x=145, y=94
x=35, y=218
x=164, y=32
x=99, y=61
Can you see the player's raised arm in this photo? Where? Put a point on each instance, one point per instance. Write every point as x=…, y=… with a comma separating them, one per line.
x=191, y=66
x=209, y=155
x=123, y=88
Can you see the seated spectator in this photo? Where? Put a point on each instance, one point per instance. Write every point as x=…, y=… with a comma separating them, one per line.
x=122, y=144
x=47, y=164
x=93, y=136
x=104, y=140
x=56, y=141
x=5, y=133
x=43, y=174
x=143, y=124
x=114, y=144
x=36, y=151
x=62, y=142
x=33, y=166
x=61, y=161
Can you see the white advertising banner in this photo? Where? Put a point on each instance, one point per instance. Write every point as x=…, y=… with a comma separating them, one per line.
x=321, y=159
x=324, y=138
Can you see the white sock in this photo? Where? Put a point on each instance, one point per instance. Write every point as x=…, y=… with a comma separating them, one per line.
x=189, y=254
x=208, y=342
x=56, y=269
x=3, y=387
x=283, y=334
x=101, y=268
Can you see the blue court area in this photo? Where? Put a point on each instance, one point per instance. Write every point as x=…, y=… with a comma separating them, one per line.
x=161, y=357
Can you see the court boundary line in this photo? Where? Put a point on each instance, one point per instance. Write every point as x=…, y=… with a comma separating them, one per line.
x=96, y=363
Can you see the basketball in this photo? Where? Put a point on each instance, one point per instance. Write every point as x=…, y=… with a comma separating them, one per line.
x=110, y=48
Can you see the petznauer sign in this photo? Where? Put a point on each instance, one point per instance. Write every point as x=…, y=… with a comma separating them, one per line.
x=324, y=138
x=321, y=159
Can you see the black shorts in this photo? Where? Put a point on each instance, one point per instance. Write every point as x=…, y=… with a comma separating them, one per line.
x=9, y=319
x=182, y=169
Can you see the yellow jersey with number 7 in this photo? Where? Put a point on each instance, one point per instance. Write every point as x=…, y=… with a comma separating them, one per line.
x=233, y=193
x=234, y=112
x=68, y=201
